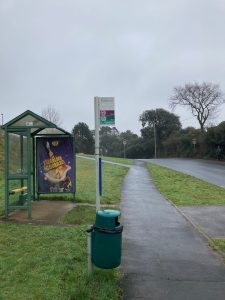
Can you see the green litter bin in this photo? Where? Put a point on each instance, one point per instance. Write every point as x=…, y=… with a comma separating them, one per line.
x=106, y=239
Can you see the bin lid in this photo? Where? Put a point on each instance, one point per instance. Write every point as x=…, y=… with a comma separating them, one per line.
x=108, y=213
x=107, y=218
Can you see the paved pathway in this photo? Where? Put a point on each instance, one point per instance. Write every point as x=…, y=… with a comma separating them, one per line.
x=210, y=218
x=164, y=257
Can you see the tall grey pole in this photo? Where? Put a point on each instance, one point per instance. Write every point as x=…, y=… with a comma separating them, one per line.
x=97, y=125
x=155, y=140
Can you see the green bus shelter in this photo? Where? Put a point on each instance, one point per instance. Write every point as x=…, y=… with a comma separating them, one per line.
x=23, y=138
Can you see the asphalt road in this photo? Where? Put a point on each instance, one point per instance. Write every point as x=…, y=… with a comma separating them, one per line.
x=208, y=170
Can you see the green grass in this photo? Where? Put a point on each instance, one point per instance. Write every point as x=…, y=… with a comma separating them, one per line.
x=113, y=176
x=1, y=194
x=119, y=160
x=82, y=214
x=220, y=243
x=1, y=173
x=183, y=189
x=46, y=262
x=125, y=161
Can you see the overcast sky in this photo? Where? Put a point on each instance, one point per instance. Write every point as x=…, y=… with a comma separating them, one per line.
x=63, y=53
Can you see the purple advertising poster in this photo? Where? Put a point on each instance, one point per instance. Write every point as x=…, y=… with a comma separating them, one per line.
x=55, y=165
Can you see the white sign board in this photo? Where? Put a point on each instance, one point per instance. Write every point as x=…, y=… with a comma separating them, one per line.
x=107, y=111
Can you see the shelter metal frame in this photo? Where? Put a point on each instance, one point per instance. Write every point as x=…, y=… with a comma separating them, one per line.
x=26, y=127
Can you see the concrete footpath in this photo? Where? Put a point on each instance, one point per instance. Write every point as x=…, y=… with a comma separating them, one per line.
x=164, y=257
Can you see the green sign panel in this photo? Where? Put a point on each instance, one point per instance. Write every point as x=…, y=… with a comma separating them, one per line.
x=107, y=111
x=107, y=117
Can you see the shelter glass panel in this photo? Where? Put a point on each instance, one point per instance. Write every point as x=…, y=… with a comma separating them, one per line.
x=17, y=154
x=24, y=166
x=17, y=192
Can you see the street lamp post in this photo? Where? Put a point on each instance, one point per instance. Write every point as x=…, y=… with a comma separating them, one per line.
x=155, y=140
x=124, y=148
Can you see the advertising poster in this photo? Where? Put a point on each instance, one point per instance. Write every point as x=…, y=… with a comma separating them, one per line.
x=55, y=165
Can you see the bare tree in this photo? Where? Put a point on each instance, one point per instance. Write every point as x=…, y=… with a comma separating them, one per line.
x=51, y=115
x=203, y=100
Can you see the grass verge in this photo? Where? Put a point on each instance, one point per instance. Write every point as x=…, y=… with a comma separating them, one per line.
x=1, y=194
x=220, y=243
x=121, y=160
x=46, y=262
x=113, y=176
x=82, y=214
x=183, y=189
x=126, y=161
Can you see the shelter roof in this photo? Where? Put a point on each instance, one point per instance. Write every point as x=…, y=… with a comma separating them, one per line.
x=36, y=123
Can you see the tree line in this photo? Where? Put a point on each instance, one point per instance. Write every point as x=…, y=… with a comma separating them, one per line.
x=162, y=134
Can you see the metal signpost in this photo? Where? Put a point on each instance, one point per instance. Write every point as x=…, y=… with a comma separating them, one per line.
x=104, y=116
x=194, y=142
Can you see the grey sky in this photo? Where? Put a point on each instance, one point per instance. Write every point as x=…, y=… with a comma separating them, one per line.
x=63, y=53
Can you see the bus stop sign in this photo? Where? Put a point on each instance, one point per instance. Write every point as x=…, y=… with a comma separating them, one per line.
x=107, y=111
